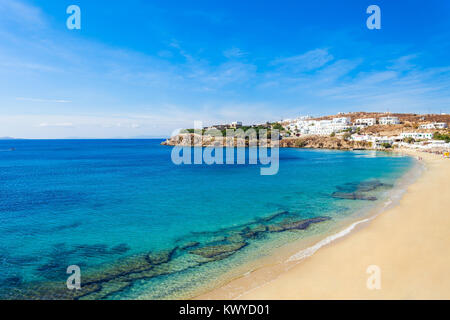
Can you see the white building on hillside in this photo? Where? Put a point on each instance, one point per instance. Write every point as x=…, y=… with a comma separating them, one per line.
x=342, y=120
x=321, y=128
x=440, y=125
x=359, y=137
x=379, y=141
x=417, y=135
x=427, y=126
x=435, y=125
x=366, y=122
x=389, y=120
x=318, y=127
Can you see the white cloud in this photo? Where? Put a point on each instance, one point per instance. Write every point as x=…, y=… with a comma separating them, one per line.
x=18, y=12
x=404, y=63
x=310, y=60
x=234, y=53
x=43, y=100
x=63, y=124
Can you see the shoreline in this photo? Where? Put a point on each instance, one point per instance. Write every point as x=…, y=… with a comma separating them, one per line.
x=325, y=273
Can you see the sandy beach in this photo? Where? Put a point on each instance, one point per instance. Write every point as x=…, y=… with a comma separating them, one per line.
x=409, y=243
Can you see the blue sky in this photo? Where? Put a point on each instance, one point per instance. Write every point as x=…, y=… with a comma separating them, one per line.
x=146, y=68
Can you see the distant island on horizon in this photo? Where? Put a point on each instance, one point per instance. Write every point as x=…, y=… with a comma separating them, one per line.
x=9, y=138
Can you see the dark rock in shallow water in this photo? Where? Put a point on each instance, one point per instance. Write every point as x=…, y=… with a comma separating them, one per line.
x=61, y=251
x=303, y=224
x=92, y=250
x=122, y=276
x=252, y=233
x=65, y=227
x=189, y=245
x=238, y=228
x=275, y=228
x=274, y=216
x=356, y=191
x=220, y=257
x=101, y=283
x=347, y=187
x=11, y=281
x=52, y=270
x=120, y=268
x=235, y=238
x=48, y=291
x=106, y=289
x=259, y=228
x=366, y=186
x=20, y=260
x=160, y=257
x=158, y=270
x=212, y=251
x=352, y=196
x=119, y=249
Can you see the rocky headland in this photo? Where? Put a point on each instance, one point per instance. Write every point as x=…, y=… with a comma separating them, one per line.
x=313, y=142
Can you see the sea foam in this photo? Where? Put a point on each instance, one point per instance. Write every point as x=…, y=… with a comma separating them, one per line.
x=311, y=250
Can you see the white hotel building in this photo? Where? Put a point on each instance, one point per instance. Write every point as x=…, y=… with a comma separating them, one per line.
x=417, y=135
x=366, y=122
x=435, y=125
x=389, y=120
x=304, y=126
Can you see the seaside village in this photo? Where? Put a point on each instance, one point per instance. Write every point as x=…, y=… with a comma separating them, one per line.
x=428, y=133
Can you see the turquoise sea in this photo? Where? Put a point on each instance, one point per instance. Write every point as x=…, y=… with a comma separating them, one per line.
x=140, y=226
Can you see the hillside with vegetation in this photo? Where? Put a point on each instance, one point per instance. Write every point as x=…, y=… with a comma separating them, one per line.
x=343, y=139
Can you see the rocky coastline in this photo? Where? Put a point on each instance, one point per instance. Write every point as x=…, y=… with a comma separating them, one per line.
x=309, y=142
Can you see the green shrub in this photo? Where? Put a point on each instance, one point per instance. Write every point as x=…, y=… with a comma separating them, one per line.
x=277, y=126
x=438, y=136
